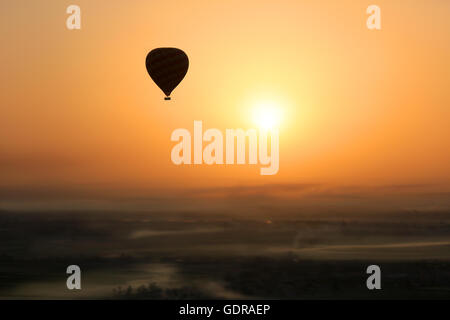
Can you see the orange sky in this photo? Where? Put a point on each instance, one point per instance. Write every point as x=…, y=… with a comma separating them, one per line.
x=359, y=107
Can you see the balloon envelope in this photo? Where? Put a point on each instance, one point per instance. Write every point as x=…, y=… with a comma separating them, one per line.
x=167, y=67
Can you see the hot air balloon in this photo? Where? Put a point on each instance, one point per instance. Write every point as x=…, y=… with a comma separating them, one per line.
x=167, y=67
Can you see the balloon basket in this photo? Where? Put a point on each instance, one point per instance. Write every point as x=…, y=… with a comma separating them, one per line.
x=166, y=98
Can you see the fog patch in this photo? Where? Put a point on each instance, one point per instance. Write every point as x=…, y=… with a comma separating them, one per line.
x=138, y=234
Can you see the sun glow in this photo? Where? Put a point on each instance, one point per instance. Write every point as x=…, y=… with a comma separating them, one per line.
x=267, y=114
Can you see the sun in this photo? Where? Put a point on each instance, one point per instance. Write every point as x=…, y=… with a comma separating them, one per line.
x=267, y=115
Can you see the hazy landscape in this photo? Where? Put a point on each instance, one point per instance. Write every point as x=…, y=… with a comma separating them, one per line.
x=285, y=254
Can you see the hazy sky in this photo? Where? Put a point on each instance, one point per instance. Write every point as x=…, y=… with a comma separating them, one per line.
x=359, y=107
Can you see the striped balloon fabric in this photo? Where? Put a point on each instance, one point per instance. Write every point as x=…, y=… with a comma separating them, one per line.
x=167, y=67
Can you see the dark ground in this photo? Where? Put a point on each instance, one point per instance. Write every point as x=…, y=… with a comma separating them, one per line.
x=190, y=256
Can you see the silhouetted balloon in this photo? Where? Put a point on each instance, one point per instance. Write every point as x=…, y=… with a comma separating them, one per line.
x=167, y=67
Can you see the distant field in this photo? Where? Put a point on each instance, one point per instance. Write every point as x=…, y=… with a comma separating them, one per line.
x=187, y=255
